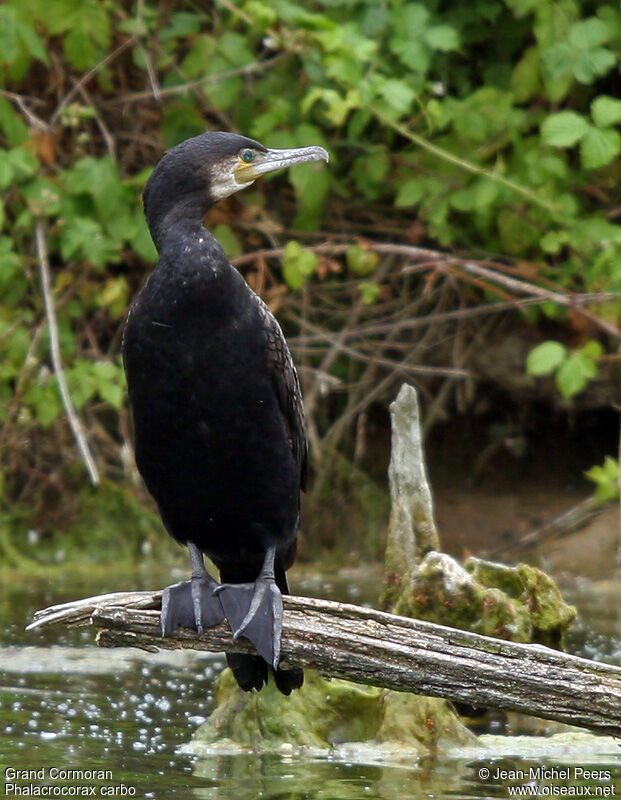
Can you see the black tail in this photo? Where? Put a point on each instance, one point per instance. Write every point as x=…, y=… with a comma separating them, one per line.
x=251, y=672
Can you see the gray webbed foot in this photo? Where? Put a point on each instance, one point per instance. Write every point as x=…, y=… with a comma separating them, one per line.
x=254, y=611
x=191, y=604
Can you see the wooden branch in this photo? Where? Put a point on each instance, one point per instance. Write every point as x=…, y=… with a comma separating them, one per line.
x=50, y=309
x=426, y=260
x=569, y=521
x=372, y=647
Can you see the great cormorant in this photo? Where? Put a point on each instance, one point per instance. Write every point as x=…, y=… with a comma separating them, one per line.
x=216, y=404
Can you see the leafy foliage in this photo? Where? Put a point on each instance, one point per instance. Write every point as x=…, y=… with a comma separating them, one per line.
x=495, y=125
x=573, y=368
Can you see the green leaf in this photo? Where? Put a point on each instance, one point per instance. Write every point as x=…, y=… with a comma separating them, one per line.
x=18, y=40
x=593, y=64
x=44, y=399
x=182, y=24
x=23, y=162
x=337, y=107
x=6, y=170
x=553, y=241
x=575, y=373
x=141, y=242
x=370, y=291
x=558, y=60
x=410, y=193
x=398, y=95
x=442, y=37
x=108, y=382
x=12, y=283
x=262, y=15
x=599, y=147
x=588, y=33
x=361, y=260
x=114, y=296
x=485, y=193
x=462, y=199
x=606, y=478
x=234, y=48
x=87, y=28
x=545, y=358
x=112, y=393
x=557, y=67
x=526, y=76
x=606, y=111
x=298, y=264
x=10, y=39
x=370, y=171
x=83, y=238
x=413, y=54
x=564, y=129
x=592, y=349
x=311, y=183
x=11, y=123
x=410, y=19
x=43, y=197
x=197, y=61
x=228, y=240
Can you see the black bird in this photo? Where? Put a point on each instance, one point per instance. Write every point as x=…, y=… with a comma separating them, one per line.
x=216, y=404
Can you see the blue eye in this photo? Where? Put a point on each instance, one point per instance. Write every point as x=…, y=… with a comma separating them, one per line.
x=247, y=156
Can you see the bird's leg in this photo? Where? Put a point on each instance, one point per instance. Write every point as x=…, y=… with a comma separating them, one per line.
x=192, y=604
x=254, y=610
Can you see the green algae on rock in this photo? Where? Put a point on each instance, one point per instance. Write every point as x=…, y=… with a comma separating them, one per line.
x=520, y=604
x=324, y=714
x=549, y=615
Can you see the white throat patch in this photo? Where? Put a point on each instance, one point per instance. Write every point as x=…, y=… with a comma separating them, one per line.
x=222, y=181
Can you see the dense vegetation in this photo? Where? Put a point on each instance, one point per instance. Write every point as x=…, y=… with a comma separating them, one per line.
x=489, y=128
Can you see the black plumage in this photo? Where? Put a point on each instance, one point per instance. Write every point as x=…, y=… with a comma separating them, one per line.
x=216, y=404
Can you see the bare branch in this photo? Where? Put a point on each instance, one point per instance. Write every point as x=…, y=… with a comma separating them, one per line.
x=184, y=88
x=50, y=310
x=372, y=647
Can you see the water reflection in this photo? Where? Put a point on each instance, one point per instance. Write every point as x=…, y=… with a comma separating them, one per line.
x=66, y=704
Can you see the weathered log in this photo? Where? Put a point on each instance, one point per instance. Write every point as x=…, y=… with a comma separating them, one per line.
x=371, y=647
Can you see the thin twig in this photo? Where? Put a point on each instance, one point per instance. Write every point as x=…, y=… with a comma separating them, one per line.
x=169, y=91
x=445, y=155
x=107, y=136
x=50, y=310
x=428, y=260
x=24, y=374
x=529, y=288
x=88, y=75
x=20, y=102
x=569, y=521
x=155, y=87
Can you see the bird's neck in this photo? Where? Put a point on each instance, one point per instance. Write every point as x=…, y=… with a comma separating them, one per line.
x=177, y=220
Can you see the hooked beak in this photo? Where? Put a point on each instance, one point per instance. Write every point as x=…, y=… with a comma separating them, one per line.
x=271, y=160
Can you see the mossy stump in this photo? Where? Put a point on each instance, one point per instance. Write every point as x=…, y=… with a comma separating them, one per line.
x=327, y=713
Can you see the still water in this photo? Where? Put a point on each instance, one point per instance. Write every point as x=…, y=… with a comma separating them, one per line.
x=117, y=723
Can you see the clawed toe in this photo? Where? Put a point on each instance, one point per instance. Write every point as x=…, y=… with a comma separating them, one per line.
x=191, y=604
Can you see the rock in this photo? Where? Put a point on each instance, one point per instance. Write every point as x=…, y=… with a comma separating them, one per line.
x=325, y=714
x=520, y=604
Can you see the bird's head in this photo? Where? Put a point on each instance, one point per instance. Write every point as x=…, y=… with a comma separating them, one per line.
x=200, y=171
